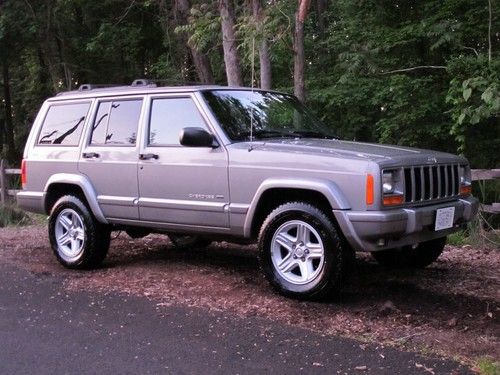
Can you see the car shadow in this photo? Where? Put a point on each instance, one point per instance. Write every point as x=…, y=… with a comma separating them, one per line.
x=421, y=294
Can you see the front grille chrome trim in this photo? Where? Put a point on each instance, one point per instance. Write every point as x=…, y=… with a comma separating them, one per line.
x=424, y=183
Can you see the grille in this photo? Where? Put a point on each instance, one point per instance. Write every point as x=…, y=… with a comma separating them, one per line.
x=431, y=182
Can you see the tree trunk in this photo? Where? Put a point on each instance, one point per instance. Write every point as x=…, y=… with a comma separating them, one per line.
x=8, y=127
x=202, y=66
x=320, y=15
x=265, y=66
x=298, y=50
x=2, y=127
x=231, y=58
x=264, y=58
x=200, y=60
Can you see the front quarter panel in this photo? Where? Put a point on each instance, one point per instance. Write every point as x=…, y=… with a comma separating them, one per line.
x=328, y=188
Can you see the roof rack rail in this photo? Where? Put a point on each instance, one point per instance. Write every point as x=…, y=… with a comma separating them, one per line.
x=143, y=82
x=92, y=86
x=164, y=82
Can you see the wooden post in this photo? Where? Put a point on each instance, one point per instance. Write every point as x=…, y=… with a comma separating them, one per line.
x=3, y=183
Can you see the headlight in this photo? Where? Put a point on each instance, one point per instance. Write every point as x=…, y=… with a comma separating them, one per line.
x=388, y=183
x=465, y=181
x=464, y=175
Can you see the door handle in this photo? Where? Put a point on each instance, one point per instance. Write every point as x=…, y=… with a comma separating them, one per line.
x=148, y=156
x=90, y=155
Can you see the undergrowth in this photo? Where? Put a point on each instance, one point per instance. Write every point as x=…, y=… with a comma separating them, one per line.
x=487, y=366
x=11, y=215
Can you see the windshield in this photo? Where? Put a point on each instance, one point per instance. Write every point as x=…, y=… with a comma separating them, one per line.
x=245, y=115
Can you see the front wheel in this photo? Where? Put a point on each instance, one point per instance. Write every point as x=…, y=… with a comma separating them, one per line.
x=300, y=251
x=419, y=256
x=77, y=239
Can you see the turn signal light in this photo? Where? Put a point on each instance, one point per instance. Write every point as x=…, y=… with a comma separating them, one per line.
x=393, y=200
x=23, y=173
x=370, y=193
x=465, y=190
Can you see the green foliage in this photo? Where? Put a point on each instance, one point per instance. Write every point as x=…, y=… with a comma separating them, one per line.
x=402, y=72
x=474, y=94
x=488, y=366
x=203, y=27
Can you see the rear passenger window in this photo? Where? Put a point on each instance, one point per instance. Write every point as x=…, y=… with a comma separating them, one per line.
x=63, y=124
x=169, y=116
x=116, y=123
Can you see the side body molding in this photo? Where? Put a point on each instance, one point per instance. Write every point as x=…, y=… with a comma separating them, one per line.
x=84, y=184
x=328, y=188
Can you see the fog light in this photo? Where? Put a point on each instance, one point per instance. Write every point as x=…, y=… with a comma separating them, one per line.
x=381, y=242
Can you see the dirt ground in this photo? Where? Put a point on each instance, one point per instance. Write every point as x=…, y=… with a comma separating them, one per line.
x=451, y=308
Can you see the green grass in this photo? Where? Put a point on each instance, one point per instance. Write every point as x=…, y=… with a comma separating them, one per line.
x=458, y=239
x=487, y=366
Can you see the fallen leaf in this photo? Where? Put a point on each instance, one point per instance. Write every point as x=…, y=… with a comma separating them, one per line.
x=452, y=322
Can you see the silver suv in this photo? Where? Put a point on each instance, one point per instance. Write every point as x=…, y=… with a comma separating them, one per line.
x=243, y=165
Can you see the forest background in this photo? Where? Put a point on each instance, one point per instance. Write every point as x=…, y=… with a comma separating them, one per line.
x=414, y=73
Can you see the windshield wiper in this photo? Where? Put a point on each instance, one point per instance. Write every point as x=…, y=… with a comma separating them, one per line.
x=313, y=134
x=269, y=134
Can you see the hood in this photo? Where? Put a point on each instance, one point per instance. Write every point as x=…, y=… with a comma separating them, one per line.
x=386, y=155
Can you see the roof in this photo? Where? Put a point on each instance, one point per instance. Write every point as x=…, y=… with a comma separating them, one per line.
x=138, y=87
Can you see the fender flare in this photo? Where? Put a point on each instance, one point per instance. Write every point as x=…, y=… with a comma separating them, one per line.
x=83, y=183
x=327, y=188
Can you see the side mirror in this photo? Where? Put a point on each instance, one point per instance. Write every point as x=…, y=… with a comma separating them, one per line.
x=196, y=137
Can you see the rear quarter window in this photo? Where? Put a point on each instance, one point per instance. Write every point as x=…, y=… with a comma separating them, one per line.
x=63, y=124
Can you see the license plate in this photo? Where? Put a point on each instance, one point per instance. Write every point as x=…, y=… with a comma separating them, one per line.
x=444, y=218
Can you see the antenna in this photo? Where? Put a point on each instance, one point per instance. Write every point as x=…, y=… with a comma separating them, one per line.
x=253, y=73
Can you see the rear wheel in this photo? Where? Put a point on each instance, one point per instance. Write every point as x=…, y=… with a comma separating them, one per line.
x=419, y=256
x=77, y=239
x=300, y=251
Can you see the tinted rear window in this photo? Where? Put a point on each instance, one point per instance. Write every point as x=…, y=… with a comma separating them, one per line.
x=63, y=124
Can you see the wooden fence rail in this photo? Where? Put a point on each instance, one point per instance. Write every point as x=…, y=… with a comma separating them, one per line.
x=5, y=192
x=487, y=174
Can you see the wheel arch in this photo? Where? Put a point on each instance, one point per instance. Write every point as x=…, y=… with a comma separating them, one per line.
x=274, y=192
x=62, y=184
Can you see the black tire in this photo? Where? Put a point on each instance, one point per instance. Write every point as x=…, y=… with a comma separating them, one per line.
x=189, y=241
x=94, y=242
x=421, y=256
x=329, y=272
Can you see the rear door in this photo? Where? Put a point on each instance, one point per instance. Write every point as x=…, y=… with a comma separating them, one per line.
x=181, y=185
x=109, y=156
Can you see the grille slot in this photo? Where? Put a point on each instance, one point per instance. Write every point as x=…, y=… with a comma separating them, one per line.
x=424, y=183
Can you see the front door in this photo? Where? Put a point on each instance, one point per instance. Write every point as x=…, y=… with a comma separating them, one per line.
x=110, y=156
x=183, y=186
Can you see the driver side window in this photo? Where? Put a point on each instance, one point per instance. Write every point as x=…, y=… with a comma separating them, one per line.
x=168, y=117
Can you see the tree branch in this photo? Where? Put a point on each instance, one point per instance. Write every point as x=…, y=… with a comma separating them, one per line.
x=414, y=68
x=472, y=49
x=122, y=17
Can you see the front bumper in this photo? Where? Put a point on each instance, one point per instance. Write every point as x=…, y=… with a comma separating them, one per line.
x=380, y=230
